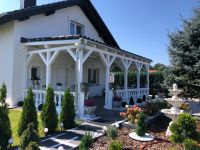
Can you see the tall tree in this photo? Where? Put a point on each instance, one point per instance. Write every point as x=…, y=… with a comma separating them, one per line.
x=49, y=115
x=29, y=113
x=67, y=115
x=5, y=127
x=184, y=52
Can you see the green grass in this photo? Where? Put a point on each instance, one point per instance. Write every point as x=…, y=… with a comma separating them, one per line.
x=14, y=115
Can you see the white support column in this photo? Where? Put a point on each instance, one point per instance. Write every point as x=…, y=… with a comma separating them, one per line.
x=29, y=57
x=126, y=64
x=147, y=68
x=107, y=60
x=139, y=67
x=79, y=97
x=48, y=70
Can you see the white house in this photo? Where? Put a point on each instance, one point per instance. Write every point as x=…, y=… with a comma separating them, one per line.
x=64, y=43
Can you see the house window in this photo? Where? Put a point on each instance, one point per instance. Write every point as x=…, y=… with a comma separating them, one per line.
x=93, y=76
x=76, y=29
x=34, y=73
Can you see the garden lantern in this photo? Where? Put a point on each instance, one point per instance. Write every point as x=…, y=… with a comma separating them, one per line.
x=10, y=141
x=46, y=131
x=60, y=148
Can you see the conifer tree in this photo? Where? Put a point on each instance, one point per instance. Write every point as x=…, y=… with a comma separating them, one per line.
x=5, y=127
x=49, y=115
x=29, y=113
x=184, y=52
x=28, y=136
x=67, y=115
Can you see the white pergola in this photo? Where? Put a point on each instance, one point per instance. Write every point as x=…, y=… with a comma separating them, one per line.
x=80, y=50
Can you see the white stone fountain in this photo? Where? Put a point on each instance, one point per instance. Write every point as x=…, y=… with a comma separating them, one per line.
x=175, y=101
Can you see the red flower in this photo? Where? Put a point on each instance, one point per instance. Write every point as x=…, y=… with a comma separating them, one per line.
x=89, y=103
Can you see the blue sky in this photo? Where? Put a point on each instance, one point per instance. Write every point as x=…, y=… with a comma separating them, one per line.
x=139, y=26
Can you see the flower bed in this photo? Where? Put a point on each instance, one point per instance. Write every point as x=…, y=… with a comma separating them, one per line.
x=158, y=129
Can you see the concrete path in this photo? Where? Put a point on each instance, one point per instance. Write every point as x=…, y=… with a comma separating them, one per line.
x=70, y=139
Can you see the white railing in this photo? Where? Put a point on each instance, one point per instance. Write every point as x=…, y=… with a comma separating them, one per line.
x=39, y=96
x=135, y=93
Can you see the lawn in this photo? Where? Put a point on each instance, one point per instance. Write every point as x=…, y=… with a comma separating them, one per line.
x=14, y=115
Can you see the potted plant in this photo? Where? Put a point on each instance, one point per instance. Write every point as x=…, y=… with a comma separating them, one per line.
x=184, y=107
x=136, y=120
x=90, y=107
x=117, y=102
x=59, y=86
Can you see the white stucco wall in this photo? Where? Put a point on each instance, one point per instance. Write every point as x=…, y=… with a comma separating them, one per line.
x=6, y=57
x=37, y=26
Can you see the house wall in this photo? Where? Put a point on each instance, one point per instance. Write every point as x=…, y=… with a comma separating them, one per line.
x=37, y=26
x=6, y=57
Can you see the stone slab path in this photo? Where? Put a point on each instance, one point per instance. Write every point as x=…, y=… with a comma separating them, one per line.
x=70, y=139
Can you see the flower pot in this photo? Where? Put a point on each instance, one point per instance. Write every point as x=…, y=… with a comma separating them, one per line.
x=116, y=104
x=90, y=110
x=59, y=88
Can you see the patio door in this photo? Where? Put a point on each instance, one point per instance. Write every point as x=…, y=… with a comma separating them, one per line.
x=62, y=76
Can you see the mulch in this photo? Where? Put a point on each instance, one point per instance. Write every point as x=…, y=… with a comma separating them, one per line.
x=158, y=129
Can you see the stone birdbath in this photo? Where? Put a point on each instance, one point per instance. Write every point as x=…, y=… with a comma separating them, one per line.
x=175, y=101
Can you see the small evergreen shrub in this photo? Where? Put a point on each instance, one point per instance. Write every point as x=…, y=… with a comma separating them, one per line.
x=139, y=100
x=20, y=103
x=29, y=113
x=112, y=132
x=28, y=136
x=3, y=94
x=49, y=115
x=40, y=107
x=141, y=127
x=190, y=144
x=5, y=127
x=124, y=104
x=86, y=142
x=144, y=98
x=67, y=115
x=184, y=128
x=32, y=146
x=131, y=102
x=115, y=145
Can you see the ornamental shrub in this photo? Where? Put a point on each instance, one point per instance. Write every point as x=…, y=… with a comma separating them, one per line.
x=29, y=113
x=49, y=115
x=190, y=144
x=67, y=115
x=86, y=142
x=20, y=103
x=5, y=128
x=32, y=146
x=112, y=132
x=28, y=136
x=131, y=102
x=141, y=127
x=3, y=93
x=115, y=145
x=139, y=100
x=184, y=128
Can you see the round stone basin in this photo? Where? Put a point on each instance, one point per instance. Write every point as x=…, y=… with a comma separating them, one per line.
x=168, y=113
x=175, y=103
x=147, y=137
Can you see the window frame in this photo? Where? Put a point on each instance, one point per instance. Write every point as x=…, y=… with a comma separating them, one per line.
x=92, y=75
x=75, y=28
